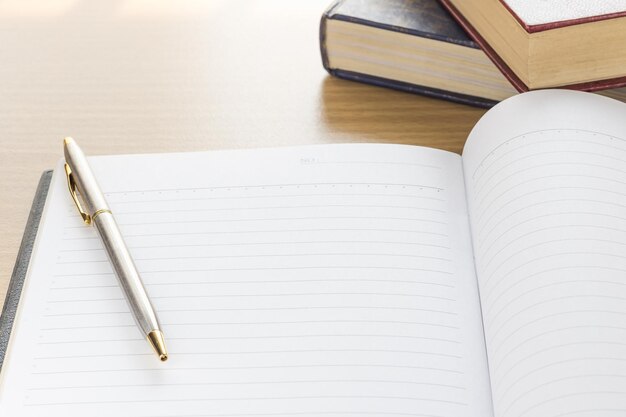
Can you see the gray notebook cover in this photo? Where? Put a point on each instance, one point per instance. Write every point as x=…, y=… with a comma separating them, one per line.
x=21, y=264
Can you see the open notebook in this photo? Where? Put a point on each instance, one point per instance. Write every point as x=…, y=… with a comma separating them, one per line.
x=345, y=280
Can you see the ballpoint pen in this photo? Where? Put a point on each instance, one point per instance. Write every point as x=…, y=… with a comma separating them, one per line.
x=96, y=211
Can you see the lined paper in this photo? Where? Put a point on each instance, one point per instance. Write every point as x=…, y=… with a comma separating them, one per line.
x=332, y=280
x=546, y=185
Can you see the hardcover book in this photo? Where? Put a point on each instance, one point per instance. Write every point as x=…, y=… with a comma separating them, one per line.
x=414, y=46
x=578, y=44
x=340, y=280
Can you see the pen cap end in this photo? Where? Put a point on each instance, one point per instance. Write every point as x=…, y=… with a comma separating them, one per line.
x=67, y=141
x=155, y=338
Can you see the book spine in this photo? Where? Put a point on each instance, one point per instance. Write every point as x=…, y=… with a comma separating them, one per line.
x=502, y=66
x=323, y=49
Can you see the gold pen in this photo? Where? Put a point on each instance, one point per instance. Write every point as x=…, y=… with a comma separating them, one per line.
x=95, y=211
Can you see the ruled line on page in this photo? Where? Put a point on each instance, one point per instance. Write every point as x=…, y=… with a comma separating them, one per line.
x=274, y=196
x=558, y=347
x=246, y=323
x=568, y=361
x=519, y=197
x=308, y=242
x=272, y=219
x=558, y=228
x=305, y=242
x=208, y=384
x=215, y=368
x=549, y=164
x=512, y=187
x=264, y=398
x=300, y=413
x=155, y=284
x=274, y=255
x=286, y=185
x=481, y=165
x=544, y=257
x=548, y=202
x=561, y=152
x=551, y=242
x=569, y=297
x=261, y=352
x=559, y=330
x=129, y=235
x=490, y=231
x=265, y=269
x=285, y=336
x=383, y=294
x=121, y=213
x=412, y=309
x=517, y=238
x=506, y=290
x=370, y=162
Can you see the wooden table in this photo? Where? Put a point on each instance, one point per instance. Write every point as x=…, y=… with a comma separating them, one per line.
x=139, y=76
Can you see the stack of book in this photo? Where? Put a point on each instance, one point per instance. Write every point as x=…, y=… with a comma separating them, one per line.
x=477, y=52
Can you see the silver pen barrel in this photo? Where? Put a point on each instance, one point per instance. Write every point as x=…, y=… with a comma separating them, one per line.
x=96, y=211
x=126, y=273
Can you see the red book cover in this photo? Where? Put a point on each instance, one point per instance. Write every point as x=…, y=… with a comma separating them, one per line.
x=506, y=70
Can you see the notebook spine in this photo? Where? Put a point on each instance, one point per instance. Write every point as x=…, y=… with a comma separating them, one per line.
x=14, y=291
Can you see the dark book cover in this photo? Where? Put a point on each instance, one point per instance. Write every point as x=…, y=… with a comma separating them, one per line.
x=423, y=18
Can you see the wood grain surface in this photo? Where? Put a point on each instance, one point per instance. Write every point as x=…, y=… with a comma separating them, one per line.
x=143, y=76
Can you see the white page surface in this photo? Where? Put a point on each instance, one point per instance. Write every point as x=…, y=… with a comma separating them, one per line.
x=537, y=12
x=330, y=280
x=546, y=182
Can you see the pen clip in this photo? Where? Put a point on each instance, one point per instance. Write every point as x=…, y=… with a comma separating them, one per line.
x=71, y=183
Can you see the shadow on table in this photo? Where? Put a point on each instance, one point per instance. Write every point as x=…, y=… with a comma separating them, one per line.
x=363, y=113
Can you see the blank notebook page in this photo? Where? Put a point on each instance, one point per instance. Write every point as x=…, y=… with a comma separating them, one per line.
x=331, y=280
x=546, y=180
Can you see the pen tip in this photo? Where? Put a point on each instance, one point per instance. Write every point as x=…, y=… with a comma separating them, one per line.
x=67, y=140
x=155, y=337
